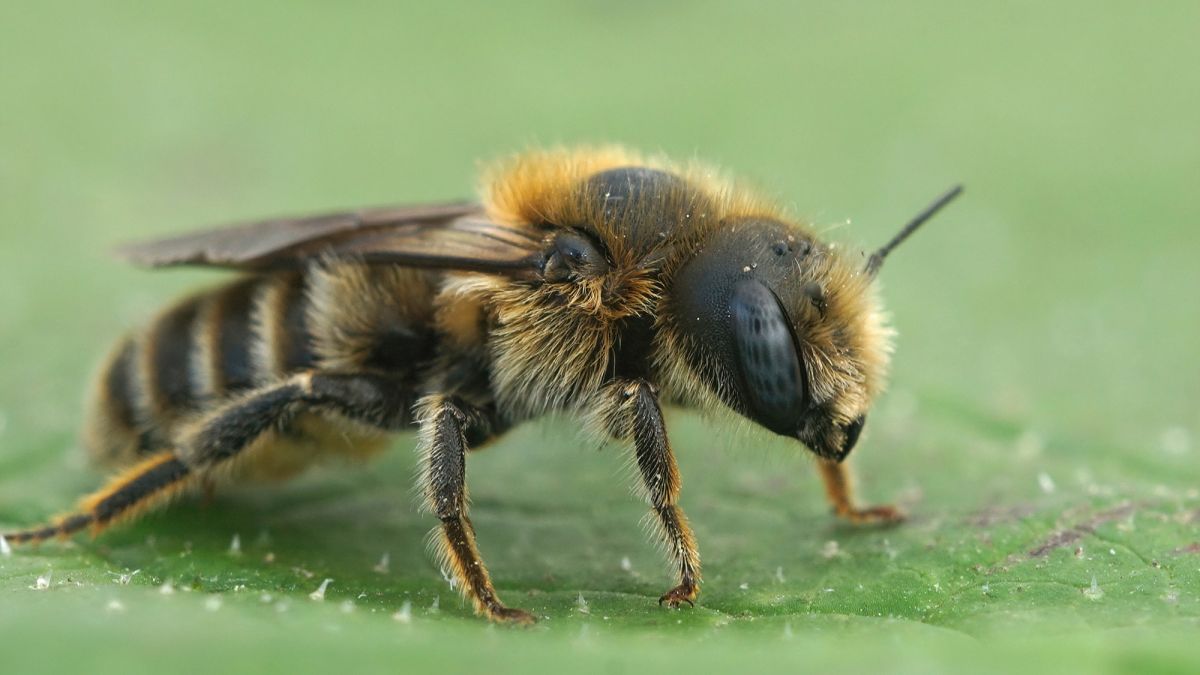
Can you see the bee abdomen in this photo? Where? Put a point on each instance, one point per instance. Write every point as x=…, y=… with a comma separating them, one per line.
x=195, y=355
x=283, y=342
x=171, y=385
x=111, y=433
x=227, y=339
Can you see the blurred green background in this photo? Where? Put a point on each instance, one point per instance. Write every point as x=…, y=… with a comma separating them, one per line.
x=1040, y=427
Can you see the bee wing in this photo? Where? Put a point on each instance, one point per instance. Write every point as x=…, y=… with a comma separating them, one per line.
x=450, y=236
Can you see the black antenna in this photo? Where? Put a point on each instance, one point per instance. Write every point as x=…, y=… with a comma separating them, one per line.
x=876, y=259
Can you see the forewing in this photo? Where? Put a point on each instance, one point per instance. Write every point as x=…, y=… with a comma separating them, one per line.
x=452, y=236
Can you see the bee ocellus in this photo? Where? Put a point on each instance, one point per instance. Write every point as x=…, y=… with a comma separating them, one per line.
x=596, y=283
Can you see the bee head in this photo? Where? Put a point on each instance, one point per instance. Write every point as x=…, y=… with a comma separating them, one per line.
x=785, y=330
x=789, y=331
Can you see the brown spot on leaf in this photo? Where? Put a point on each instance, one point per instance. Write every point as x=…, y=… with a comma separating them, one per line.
x=1078, y=531
x=1191, y=549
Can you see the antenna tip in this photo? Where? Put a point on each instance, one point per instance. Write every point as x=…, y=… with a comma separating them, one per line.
x=954, y=191
x=876, y=259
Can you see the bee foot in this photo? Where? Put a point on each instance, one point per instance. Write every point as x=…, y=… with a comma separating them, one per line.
x=511, y=616
x=873, y=515
x=680, y=594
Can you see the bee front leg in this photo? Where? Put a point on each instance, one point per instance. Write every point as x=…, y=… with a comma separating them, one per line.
x=640, y=417
x=445, y=422
x=840, y=494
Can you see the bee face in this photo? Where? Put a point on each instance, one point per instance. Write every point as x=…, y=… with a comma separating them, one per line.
x=788, y=332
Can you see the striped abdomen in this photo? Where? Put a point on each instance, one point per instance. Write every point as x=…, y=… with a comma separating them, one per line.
x=252, y=333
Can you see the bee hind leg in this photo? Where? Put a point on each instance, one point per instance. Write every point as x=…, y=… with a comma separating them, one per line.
x=373, y=399
x=445, y=423
x=223, y=435
x=146, y=485
x=839, y=491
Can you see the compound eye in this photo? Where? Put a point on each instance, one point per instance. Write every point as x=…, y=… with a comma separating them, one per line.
x=772, y=379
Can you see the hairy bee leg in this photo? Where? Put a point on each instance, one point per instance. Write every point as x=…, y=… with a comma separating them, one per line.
x=840, y=494
x=660, y=475
x=444, y=426
x=152, y=482
x=373, y=399
x=223, y=435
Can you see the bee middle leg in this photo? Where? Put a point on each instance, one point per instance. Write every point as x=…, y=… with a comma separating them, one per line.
x=639, y=415
x=445, y=424
x=839, y=491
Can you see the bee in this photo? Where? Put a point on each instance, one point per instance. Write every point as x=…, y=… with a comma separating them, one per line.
x=594, y=283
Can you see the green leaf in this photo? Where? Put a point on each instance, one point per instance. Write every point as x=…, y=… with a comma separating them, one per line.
x=1040, y=428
